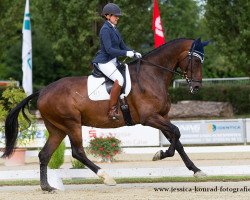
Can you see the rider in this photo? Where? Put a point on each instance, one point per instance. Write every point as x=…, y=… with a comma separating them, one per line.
x=111, y=47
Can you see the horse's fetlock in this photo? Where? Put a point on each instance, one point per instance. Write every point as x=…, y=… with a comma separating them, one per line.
x=171, y=153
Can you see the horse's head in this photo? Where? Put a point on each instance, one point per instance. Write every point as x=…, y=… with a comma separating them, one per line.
x=191, y=62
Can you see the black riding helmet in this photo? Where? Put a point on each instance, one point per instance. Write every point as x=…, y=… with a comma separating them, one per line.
x=111, y=8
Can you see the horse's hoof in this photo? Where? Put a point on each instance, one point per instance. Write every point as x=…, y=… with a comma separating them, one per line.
x=199, y=174
x=48, y=188
x=107, y=180
x=157, y=156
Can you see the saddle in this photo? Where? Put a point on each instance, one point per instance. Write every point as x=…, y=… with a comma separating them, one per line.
x=97, y=73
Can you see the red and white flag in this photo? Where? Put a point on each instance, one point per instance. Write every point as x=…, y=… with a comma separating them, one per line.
x=157, y=26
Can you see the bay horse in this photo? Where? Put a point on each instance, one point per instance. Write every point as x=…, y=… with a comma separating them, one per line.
x=65, y=106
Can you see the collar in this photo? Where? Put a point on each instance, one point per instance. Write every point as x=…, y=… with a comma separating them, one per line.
x=111, y=24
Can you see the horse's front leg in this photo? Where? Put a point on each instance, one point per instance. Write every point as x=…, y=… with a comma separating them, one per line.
x=189, y=164
x=171, y=131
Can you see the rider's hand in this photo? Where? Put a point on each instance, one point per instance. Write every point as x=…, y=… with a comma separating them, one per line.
x=130, y=54
x=137, y=55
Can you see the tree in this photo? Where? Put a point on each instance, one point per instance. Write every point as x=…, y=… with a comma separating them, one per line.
x=73, y=27
x=228, y=25
x=10, y=24
x=69, y=26
x=180, y=18
x=11, y=29
x=65, y=33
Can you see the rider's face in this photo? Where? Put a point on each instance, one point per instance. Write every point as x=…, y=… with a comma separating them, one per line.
x=113, y=19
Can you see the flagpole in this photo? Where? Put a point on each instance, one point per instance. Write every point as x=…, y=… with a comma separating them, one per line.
x=27, y=52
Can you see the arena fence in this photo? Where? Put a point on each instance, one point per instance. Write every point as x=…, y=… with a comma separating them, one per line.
x=198, y=132
x=215, y=81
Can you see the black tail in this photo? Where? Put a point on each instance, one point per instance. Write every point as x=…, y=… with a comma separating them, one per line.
x=11, y=125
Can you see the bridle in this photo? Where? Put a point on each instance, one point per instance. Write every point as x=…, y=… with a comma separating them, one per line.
x=191, y=53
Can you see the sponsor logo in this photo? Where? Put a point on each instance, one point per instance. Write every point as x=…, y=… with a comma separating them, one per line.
x=231, y=127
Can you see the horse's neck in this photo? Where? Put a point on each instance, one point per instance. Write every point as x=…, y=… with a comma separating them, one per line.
x=153, y=76
x=150, y=76
x=165, y=61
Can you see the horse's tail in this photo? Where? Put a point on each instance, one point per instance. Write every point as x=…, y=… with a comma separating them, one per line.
x=11, y=125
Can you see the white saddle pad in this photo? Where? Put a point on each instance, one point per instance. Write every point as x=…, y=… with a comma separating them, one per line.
x=97, y=89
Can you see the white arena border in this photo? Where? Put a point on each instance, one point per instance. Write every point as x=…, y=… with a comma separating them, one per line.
x=141, y=172
x=189, y=150
x=199, y=149
x=127, y=172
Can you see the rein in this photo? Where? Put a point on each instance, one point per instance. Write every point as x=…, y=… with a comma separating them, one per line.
x=182, y=74
x=164, y=68
x=138, y=67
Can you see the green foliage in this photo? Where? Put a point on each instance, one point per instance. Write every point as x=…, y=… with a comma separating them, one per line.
x=238, y=96
x=69, y=25
x=11, y=96
x=104, y=147
x=136, y=31
x=228, y=25
x=57, y=159
x=76, y=164
x=65, y=34
x=11, y=14
x=180, y=18
x=3, y=114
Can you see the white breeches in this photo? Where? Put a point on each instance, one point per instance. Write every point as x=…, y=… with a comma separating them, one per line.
x=110, y=70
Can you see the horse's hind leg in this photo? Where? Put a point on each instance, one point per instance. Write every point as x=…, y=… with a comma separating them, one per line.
x=55, y=138
x=169, y=129
x=179, y=147
x=78, y=153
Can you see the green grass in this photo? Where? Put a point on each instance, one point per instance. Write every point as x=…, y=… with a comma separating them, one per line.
x=136, y=180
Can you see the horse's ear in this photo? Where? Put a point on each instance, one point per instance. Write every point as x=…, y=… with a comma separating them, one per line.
x=205, y=43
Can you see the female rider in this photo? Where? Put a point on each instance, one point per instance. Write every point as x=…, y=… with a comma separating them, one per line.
x=111, y=47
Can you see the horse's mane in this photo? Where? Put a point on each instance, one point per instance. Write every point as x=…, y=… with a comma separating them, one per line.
x=156, y=50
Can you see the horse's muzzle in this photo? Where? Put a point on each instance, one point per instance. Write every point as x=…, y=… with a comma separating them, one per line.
x=195, y=86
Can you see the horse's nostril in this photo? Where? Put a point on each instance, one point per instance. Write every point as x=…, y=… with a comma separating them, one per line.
x=196, y=88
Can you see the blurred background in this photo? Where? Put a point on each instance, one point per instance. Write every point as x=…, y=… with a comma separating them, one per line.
x=65, y=40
